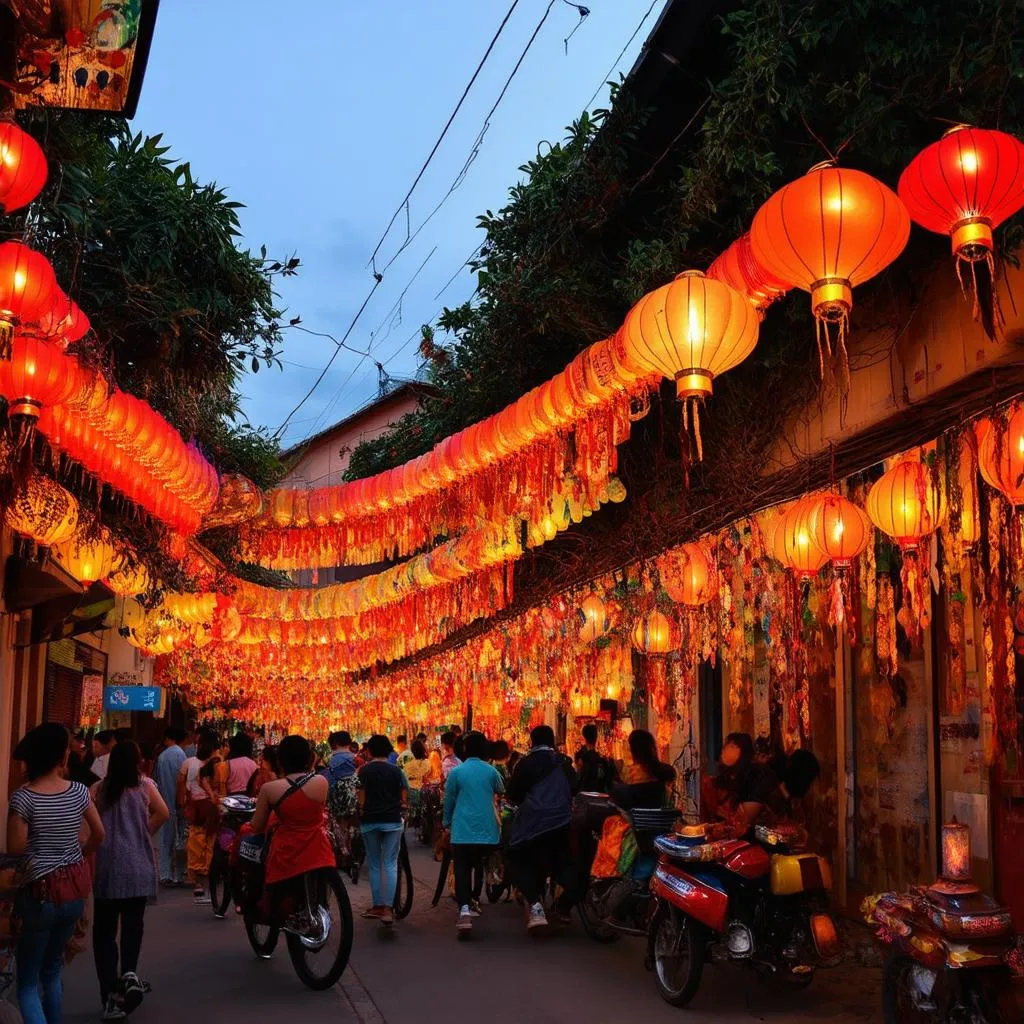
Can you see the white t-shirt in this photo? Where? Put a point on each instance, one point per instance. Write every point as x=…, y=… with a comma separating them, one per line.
x=99, y=766
x=191, y=766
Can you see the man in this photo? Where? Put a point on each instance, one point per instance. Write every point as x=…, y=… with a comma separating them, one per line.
x=195, y=732
x=539, y=838
x=459, y=741
x=593, y=769
x=342, y=764
x=448, y=759
x=102, y=744
x=168, y=766
x=470, y=812
x=404, y=753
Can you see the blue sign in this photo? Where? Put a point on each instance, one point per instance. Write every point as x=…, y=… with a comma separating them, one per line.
x=131, y=698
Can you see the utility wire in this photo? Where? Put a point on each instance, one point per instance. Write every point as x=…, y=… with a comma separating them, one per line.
x=615, y=64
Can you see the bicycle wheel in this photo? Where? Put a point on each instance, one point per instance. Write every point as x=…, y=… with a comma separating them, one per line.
x=403, y=890
x=262, y=937
x=320, y=955
x=220, y=883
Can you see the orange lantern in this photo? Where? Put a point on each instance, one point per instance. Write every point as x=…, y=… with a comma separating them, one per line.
x=827, y=232
x=654, y=634
x=837, y=527
x=738, y=267
x=595, y=622
x=88, y=560
x=43, y=511
x=790, y=541
x=905, y=503
x=22, y=168
x=688, y=574
x=27, y=285
x=1001, y=457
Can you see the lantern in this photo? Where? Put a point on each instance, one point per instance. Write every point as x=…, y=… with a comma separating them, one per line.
x=88, y=560
x=133, y=615
x=790, y=541
x=1001, y=457
x=827, y=232
x=595, y=622
x=906, y=504
x=965, y=185
x=22, y=168
x=837, y=527
x=37, y=374
x=654, y=634
x=27, y=285
x=688, y=574
x=129, y=580
x=738, y=267
x=956, y=852
x=64, y=323
x=42, y=511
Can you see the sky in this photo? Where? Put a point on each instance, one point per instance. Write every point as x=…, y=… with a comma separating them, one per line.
x=318, y=117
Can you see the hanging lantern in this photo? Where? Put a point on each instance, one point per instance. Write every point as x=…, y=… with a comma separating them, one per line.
x=828, y=232
x=27, y=285
x=906, y=504
x=688, y=574
x=738, y=267
x=88, y=560
x=837, y=527
x=790, y=541
x=965, y=185
x=37, y=374
x=1001, y=457
x=133, y=615
x=22, y=168
x=43, y=511
x=129, y=580
x=64, y=322
x=595, y=621
x=956, y=852
x=691, y=330
x=654, y=634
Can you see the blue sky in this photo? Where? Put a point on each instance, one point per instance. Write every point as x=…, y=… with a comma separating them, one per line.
x=318, y=115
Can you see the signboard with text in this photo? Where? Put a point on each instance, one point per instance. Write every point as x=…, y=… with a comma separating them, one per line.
x=132, y=698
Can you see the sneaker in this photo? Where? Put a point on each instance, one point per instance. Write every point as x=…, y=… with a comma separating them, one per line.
x=464, y=923
x=112, y=1010
x=475, y=909
x=536, y=921
x=387, y=916
x=371, y=913
x=201, y=900
x=132, y=991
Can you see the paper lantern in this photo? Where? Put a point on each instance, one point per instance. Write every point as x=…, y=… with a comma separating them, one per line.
x=956, y=852
x=133, y=615
x=87, y=559
x=37, y=374
x=595, y=622
x=27, y=285
x=837, y=527
x=828, y=232
x=22, y=168
x=129, y=580
x=654, y=633
x=43, y=511
x=64, y=322
x=965, y=185
x=905, y=503
x=738, y=267
x=1001, y=457
x=790, y=541
x=688, y=574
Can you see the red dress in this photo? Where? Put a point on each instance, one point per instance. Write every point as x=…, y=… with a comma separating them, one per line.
x=299, y=840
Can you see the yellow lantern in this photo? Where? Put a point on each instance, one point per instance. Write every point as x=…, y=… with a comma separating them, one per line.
x=790, y=541
x=837, y=527
x=906, y=504
x=129, y=580
x=43, y=511
x=688, y=574
x=654, y=633
x=133, y=615
x=595, y=622
x=88, y=560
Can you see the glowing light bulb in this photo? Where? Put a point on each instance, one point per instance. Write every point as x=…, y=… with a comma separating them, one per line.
x=969, y=161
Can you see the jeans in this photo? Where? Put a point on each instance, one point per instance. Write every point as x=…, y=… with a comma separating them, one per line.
x=46, y=929
x=170, y=858
x=106, y=914
x=382, y=845
x=548, y=856
x=468, y=859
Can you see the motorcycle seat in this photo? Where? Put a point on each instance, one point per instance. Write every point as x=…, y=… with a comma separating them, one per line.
x=653, y=819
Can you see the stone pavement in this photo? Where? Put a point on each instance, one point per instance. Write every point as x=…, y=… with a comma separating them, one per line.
x=203, y=970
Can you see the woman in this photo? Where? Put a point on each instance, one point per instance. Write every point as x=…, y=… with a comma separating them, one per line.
x=416, y=769
x=132, y=812
x=724, y=793
x=236, y=773
x=197, y=799
x=646, y=781
x=44, y=823
x=269, y=769
x=295, y=805
x=383, y=798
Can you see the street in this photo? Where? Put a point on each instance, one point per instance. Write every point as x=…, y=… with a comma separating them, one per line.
x=202, y=969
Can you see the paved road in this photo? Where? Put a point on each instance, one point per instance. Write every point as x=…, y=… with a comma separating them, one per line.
x=202, y=970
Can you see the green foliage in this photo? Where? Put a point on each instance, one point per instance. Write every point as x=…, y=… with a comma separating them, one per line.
x=597, y=221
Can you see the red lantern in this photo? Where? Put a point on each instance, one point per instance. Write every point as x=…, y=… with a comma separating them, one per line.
x=1001, y=457
x=739, y=268
x=37, y=374
x=64, y=323
x=837, y=527
x=22, y=168
x=27, y=286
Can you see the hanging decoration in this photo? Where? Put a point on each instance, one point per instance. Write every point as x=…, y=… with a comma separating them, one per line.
x=42, y=511
x=23, y=168
x=63, y=323
x=965, y=185
x=27, y=286
x=790, y=540
x=37, y=375
x=1001, y=455
x=906, y=502
x=130, y=580
x=594, y=619
x=739, y=268
x=88, y=559
x=688, y=574
x=828, y=232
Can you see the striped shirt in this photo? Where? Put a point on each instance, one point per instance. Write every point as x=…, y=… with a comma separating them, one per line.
x=54, y=821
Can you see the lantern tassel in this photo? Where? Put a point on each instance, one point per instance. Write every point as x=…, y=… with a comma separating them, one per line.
x=983, y=295
x=6, y=337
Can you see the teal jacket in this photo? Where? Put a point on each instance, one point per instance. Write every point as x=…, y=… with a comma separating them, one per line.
x=469, y=802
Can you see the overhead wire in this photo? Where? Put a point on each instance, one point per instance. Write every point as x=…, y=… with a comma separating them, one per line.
x=629, y=42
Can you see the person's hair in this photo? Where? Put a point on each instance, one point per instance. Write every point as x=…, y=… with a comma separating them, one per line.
x=123, y=735
x=645, y=753
x=419, y=749
x=379, y=746
x=499, y=750
x=542, y=736
x=447, y=739
x=745, y=744
x=402, y=739
x=270, y=756
x=239, y=745
x=457, y=729
x=104, y=736
x=590, y=732
x=122, y=772
x=801, y=771
x=339, y=739
x=206, y=747
x=175, y=733
x=42, y=749
x=294, y=754
x=513, y=759
x=421, y=736
x=475, y=744
x=353, y=748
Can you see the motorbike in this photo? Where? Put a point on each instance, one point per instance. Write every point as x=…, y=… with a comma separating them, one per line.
x=951, y=956
x=430, y=812
x=762, y=902
x=228, y=828
x=313, y=912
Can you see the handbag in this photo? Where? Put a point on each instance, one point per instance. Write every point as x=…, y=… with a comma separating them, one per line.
x=63, y=885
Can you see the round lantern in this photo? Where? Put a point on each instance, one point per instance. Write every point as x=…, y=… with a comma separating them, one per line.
x=37, y=374
x=88, y=560
x=654, y=633
x=595, y=622
x=738, y=267
x=129, y=580
x=905, y=503
x=133, y=615
x=688, y=574
x=790, y=541
x=64, y=322
x=27, y=285
x=22, y=168
x=42, y=511
x=827, y=232
x=964, y=186
x=837, y=527
x=1001, y=457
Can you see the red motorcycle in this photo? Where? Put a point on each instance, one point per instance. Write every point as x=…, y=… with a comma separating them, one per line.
x=762, y=902
x=951, y=956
